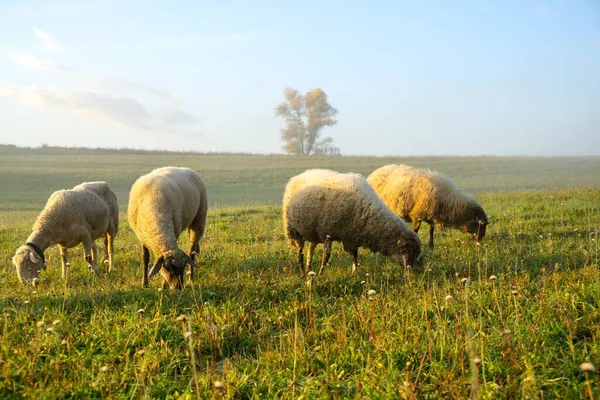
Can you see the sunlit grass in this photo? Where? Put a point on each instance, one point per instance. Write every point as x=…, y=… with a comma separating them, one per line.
x=513, y=317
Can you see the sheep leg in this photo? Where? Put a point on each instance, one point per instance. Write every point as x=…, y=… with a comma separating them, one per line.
x=193, y=250
x=109, y=245
x=90, y=253
x=354, y=260
x=300, y=253
x=311, y=249
x=431, y=229
x=145, y=262
x=416, y=225
x=105, y=249
x=94, y=252
x=326, y=254
x=64, y=261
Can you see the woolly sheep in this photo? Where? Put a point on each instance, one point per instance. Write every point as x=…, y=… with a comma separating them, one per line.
x=162, y=204
x=324, y=206
x=79, y=215
x=422, y=195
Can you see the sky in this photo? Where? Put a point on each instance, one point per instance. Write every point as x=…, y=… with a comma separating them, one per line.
x=407, y=77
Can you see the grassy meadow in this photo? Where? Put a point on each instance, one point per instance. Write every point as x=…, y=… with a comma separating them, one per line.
x=514, y=317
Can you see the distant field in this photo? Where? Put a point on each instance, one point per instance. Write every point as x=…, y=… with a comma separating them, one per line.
x=512, y=318
x=26, y=181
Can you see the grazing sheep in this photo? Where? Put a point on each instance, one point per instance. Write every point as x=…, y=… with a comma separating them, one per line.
x=79, y=215
x=161, y=205
x=421, y=195
x=323, y=206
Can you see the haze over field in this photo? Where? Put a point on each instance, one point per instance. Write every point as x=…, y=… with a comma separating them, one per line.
x=408, y=78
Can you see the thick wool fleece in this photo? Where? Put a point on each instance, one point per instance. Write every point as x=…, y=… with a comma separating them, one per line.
x=165, y=202
x=66, y=209
x=320, y=203
x=102, y=189
x=70, y=217
x=423, y=195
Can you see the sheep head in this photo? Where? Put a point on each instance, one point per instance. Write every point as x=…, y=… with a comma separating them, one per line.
x=28, y=264
x=476, y=224
x=408, y=252
x=172, y=267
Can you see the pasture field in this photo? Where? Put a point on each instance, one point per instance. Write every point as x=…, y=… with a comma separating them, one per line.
x=511, y=318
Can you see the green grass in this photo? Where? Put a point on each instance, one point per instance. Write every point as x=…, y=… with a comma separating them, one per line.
x=253, y=322
x=26, y=181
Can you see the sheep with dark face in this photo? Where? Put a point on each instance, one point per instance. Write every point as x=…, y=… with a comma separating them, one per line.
x=323, y=206
x=422, y=195
x=162, y=204
x=80, y=215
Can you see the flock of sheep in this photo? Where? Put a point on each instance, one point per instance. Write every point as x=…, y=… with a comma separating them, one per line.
x=319, y=206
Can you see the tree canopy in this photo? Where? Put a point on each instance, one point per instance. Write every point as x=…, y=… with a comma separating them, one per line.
x=305, y=116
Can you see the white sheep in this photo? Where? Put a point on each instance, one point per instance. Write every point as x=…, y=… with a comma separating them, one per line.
x=422, y=195
x=324, y=206
x=79, y=215
x=162, y=204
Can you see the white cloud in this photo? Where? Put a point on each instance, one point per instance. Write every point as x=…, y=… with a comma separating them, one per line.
x=141, y=87
x=50, y=43
x=33, y=62
x=91, y=98
x=116, y=110
x=177, y=117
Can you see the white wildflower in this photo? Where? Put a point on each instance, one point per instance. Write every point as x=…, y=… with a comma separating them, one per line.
x=587, y=367
x=219, y=385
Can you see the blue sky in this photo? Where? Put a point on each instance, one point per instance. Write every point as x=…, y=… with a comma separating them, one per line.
x=408, y=78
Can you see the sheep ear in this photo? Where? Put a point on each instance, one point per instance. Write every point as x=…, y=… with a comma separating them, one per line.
x=34, y=257
x=156, y=267
x=17, y=259
x=190, y=261
x=403, y=245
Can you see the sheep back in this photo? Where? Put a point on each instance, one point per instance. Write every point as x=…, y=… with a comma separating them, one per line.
x=67, y=207
x=425, y=195
x=102, y=189
x=163, y=203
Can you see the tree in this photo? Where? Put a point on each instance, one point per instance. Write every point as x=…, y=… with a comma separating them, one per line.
x=304, y=117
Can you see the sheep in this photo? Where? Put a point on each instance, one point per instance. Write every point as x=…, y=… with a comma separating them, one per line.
x=79, y=215
x=324, y=206
x=422, y=195
x=162, y=204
